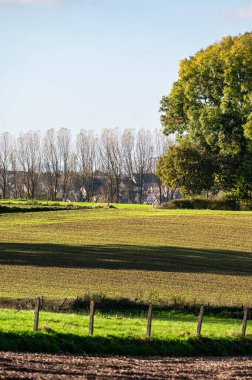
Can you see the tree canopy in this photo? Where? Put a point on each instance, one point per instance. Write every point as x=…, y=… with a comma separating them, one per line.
x=210, y=105
x=186, y=167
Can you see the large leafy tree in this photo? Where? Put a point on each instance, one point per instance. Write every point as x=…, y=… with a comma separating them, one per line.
x=188, y=167
x=211, y=105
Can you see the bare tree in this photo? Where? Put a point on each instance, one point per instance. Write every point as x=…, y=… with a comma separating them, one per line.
x=51, y=163
x=29, y=158
x=5, y=161
x=128, y=145
x=65, y=157
x=111, y=155
x=143, y=160
x=161, y=144
x=16, y=177
x=86, y=153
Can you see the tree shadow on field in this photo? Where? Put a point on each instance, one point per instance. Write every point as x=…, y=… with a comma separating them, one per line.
x=128, y=257
x=60, y=343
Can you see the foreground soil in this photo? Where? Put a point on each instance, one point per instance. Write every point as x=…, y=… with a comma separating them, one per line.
x=43, y=366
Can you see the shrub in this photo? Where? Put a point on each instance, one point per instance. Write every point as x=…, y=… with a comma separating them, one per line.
x=204, y=203
x=246, y=205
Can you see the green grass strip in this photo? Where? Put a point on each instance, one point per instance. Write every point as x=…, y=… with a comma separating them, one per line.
x=122, y=334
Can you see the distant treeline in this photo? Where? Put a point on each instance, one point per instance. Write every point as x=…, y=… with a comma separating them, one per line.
x=113, y=165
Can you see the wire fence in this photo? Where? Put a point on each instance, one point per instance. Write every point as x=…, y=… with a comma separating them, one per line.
x=150, y=318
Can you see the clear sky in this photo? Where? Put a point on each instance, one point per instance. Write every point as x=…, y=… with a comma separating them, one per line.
x=96, y=64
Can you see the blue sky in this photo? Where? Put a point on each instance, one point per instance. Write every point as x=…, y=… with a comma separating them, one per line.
x=96, y=64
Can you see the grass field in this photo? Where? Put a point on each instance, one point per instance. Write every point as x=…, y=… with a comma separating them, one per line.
x=135, y=251
x=165, y=325
x=172, y=333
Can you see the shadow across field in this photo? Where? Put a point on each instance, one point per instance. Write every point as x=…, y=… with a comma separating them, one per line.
x=128, y=257
x=69, y=343
x=40, y=208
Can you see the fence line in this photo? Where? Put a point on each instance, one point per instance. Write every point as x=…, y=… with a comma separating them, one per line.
x=39, y=304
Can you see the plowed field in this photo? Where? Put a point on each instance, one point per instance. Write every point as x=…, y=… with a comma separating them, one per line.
x=144, y=254
x=38, y=366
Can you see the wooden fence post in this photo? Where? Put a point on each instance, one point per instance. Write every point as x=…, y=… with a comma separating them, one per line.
x=149, y=320
x=36, y=314
x=91, y=318
x=41, y=302
x=63, y=303
x=200, y=321
x=245, y=320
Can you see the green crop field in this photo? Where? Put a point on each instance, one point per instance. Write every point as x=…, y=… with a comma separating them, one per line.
x=137, y=252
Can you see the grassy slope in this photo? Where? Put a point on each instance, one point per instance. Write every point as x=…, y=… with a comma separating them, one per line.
x=172, y=333
x=131, y=251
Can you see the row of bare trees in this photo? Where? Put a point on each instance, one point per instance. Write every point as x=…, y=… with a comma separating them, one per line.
x=111, y=164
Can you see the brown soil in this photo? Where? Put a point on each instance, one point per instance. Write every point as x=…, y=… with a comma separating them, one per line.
x=43, y=366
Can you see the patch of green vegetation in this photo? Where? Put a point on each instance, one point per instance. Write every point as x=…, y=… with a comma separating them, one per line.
x=211, y=204
x=34, y=202
x=141, y=253
x=173, y=333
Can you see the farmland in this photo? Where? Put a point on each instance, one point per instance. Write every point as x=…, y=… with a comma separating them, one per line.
x=136, y=252
x=33, y=366
x=173, y=333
